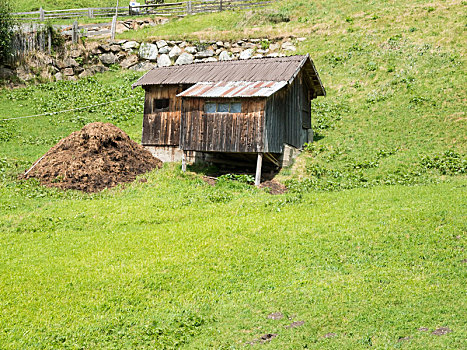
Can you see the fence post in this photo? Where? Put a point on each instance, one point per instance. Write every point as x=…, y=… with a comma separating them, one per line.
x=220, y=5
x=188, y=7
x=41, y=14
x=113, y=28
x=75, y=33
x=90, y=12
x=49, y=41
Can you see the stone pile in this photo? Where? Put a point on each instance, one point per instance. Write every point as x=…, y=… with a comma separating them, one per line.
x=79, y=61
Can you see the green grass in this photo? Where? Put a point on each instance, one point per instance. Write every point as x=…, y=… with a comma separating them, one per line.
x=369, y=244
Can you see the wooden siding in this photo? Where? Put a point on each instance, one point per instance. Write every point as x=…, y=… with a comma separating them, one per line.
x=222, y=132
x=288, y=117
x=162, y=128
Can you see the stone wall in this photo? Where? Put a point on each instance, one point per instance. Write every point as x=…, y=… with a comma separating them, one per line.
x=83, y=60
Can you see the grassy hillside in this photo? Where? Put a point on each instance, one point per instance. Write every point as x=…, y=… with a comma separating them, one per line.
x=367, y=247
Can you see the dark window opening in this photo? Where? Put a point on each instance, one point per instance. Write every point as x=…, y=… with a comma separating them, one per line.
x=224, y=107
x=160, y=105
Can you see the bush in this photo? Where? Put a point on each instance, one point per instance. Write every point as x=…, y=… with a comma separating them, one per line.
x=6, y=30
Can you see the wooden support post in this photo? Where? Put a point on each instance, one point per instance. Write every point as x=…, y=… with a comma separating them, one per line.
x=183, y=161
x=90, y=13
x=220, y=5
x=259, y=164
x=41, y=14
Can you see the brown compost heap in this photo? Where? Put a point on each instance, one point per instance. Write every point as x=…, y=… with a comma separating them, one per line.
x=98, y=156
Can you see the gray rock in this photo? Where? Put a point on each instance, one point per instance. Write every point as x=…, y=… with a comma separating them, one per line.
x=218, y=52
x=70, y=62
x=184, y=58
x=161, y=43
x=99, y=69
x=288, y=46
x=227, y=45
x=249, y=46
x=205, y=54
x=198, y=60
x=76, y=53
x=255, y=40
x=301, y=39
x=210, y=59
x=224, y=56
x=104, y=47
x=148, y=51
x=236, y=50
x=220, y=43
x=129, y=61
x=143, y=66
x=68, y=72
x=262, y=51
x=164, y=61
x=274, y=54
x=244, y=55
x=58, y=76
x=108, y=58
x=164, y=50
x=71, y=78
x=257, y=56
x=6, y=73
x=129, y=45
x=183, y=44
x=191, y=49
x=86, y=73
x=274, y=47
x=78, y=70
x=115, y=48
x=175, y=52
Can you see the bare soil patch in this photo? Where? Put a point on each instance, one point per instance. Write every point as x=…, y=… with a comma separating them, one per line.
x=441, y=331
x=98, y=156
x=274, y=187
x=295, y=324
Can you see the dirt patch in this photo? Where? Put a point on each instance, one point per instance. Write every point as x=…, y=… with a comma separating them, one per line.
x=211, y=181
x=267, y=337
x=274, y=187
x=98, y=156
x=275, y=316
x=295, y=324
x=441, y=331
x=401, y=339
x=423, y=329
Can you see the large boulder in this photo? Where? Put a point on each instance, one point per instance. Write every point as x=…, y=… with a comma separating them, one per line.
x=224, y=56
x=130, y=45
x=142, y=66
x=175, y=52
x=164, y=50
x=244, y=55
x=108, y=58
x=191, y=49
x=148, y=51
x=70, y=63
x=184, y=58
x=161, y=43
x=164, y=61
x=205, y=54
x=129, y=61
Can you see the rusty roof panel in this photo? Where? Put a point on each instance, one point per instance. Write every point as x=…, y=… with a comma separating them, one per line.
x=233, y=89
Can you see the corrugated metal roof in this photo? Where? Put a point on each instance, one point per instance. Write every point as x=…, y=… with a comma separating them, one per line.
x=232, y=89
x=276, y=69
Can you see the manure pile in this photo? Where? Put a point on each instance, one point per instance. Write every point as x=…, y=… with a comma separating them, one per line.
x=98, y=156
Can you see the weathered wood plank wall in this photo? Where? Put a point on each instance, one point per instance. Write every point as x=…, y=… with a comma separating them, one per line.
x=222, y=132
x=288, y=116
x=162, y=128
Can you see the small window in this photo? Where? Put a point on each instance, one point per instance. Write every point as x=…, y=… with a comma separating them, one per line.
x=236, y=107
x=210, y=107
x=224, y=107
x=160, y=105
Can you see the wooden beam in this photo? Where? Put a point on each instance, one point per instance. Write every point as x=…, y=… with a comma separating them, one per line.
x=259, y=164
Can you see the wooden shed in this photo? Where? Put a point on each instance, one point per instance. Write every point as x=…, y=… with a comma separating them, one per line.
x=243, y=109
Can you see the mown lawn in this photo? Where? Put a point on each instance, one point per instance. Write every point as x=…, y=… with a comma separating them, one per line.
x=176, y=263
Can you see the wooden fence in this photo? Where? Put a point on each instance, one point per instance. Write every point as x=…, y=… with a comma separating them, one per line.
x=182, y=8
x=27, y=38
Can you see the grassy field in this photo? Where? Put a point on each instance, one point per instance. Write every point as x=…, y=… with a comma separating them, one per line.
x=366, y=248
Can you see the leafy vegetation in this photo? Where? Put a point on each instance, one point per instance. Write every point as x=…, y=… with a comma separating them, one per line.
x=6, y=30
x=366, y=248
